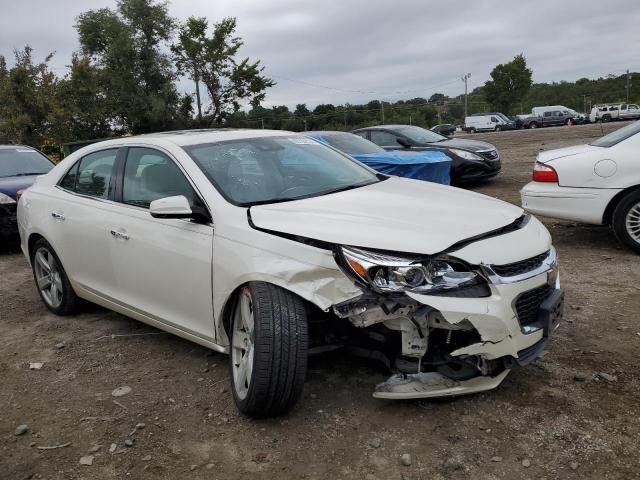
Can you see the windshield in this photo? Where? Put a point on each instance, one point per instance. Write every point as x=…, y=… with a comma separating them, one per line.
x=352, y=144
x=504, y=117
x=22, y=161
x=618, y=136
x=275, y=169
x=421, y=135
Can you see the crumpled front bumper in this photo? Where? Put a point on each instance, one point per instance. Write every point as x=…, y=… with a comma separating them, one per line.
x=502, y=337
x=8, y=221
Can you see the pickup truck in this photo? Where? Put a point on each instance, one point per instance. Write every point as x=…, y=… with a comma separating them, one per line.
x=614, y=111
x=548, y=119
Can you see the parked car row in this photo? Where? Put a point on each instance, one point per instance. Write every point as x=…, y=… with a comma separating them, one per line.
x=314, y=250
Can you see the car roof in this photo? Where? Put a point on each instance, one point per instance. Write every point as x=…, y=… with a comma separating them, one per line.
x=7, y=146
x=388, y=127
x=325, y=132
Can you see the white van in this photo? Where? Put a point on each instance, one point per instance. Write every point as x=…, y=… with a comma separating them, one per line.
x=495, y=121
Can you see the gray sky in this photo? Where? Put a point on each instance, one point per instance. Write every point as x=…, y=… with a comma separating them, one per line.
x=366, y=49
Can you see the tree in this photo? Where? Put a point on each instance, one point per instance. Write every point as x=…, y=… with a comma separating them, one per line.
x=509, y=84
x=301, y=110
x=437, y=98
x=28, y=99
x=136, y=76
x=212, y=59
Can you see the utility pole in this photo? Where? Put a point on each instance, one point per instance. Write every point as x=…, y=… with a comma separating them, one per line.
x=262, y=119
x=345, y=119
x=410, y=120
x=465, y=79
x=382, y=109
x=628, y=84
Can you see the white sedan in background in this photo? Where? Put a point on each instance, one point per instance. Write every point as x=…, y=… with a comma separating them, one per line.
x=597, y=183
x=270, y=246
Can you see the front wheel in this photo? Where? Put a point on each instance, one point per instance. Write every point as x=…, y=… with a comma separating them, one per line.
x=269, y=347
x=626, y=221
x=498, y=128
x=533, y=125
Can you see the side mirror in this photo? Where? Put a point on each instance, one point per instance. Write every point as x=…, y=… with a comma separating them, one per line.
x=171, y=207
x=403, y=142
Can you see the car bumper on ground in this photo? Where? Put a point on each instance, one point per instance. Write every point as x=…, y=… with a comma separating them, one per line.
x=514, y=325
x=585, y=205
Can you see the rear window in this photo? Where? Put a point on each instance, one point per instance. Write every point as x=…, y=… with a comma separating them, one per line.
x=618, y=136
x=22, y=161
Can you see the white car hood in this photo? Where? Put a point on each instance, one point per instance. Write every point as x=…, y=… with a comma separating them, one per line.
x=547, y=156
x=396, y=214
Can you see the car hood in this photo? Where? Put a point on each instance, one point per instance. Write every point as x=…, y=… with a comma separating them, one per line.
x=11, y=185
x=547, y=156
x=396, y=214
x=463, y=144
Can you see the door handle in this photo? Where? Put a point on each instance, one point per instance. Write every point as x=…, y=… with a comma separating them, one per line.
x=57, y=215
x=118, y=234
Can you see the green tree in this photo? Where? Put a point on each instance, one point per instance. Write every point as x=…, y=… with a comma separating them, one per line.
x=509, y=84
x=213, y=60
x=28, y=99
x=127, y=46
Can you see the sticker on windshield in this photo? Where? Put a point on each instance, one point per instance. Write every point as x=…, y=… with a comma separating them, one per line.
x=303, y=141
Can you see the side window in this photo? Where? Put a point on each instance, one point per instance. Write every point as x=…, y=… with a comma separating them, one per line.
x=364, y=134
x=494, y=120
x=384, y=139
x=548, y=114
x=623, y=107
x=69, y=180
x=613, y=109
x=149, y=175
x=92, y=174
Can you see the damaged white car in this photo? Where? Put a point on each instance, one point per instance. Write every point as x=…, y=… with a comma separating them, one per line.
x=270, y=246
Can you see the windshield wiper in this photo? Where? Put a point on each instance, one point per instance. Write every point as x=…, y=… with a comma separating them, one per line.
x=271, y=200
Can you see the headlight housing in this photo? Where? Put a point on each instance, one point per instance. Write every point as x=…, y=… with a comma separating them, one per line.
x=6, y=199
x=386, y=273
x=466, y=155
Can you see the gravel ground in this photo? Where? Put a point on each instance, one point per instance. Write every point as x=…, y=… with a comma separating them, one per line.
x=573, y=414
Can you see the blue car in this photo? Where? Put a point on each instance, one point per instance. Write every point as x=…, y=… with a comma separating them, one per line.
x=19, y=167
x=430, y=165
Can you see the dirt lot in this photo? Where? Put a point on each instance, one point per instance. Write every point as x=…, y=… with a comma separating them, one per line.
x=557, y=419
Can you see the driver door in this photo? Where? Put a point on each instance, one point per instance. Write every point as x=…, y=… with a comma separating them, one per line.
x=162, y=267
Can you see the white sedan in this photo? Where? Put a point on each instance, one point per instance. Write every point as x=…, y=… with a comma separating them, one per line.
x=270, y=246
x=597, y=183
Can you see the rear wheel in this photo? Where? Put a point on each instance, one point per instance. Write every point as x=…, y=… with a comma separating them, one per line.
x=269, y=346
x=533, y=125
x=52, y=281
x=626, y=221
x=605, y=119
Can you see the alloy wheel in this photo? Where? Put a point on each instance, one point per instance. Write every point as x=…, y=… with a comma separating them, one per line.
x=48, y=277
x=242, y=349
x=632, y=222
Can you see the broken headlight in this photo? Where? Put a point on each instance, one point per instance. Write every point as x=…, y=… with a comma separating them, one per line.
x=393, y=274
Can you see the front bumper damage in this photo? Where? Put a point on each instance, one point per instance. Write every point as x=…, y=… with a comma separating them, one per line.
x=450, y=345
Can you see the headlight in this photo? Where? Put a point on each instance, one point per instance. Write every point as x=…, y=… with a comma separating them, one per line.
x=464, y=154
x=389, y=273
x=6, y=199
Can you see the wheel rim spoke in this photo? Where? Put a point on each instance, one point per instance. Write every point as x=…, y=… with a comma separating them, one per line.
x=242, y=344
x=633, y=223
x=48, y=277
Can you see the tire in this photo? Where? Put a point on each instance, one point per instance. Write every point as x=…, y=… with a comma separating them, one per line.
x=498, y=128
x=606, y=119
x=275, y=350
x=51, y=280
x=626, y=221
x=472, y=130
x=533, y=125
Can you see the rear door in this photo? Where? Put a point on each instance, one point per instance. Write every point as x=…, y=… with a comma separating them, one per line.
x=162, y=267
x=385, y=139
x=78, y=210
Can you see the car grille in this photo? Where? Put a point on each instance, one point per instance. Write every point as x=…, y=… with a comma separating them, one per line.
x=490, y=154
x=517, y=268
x=528, y=304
